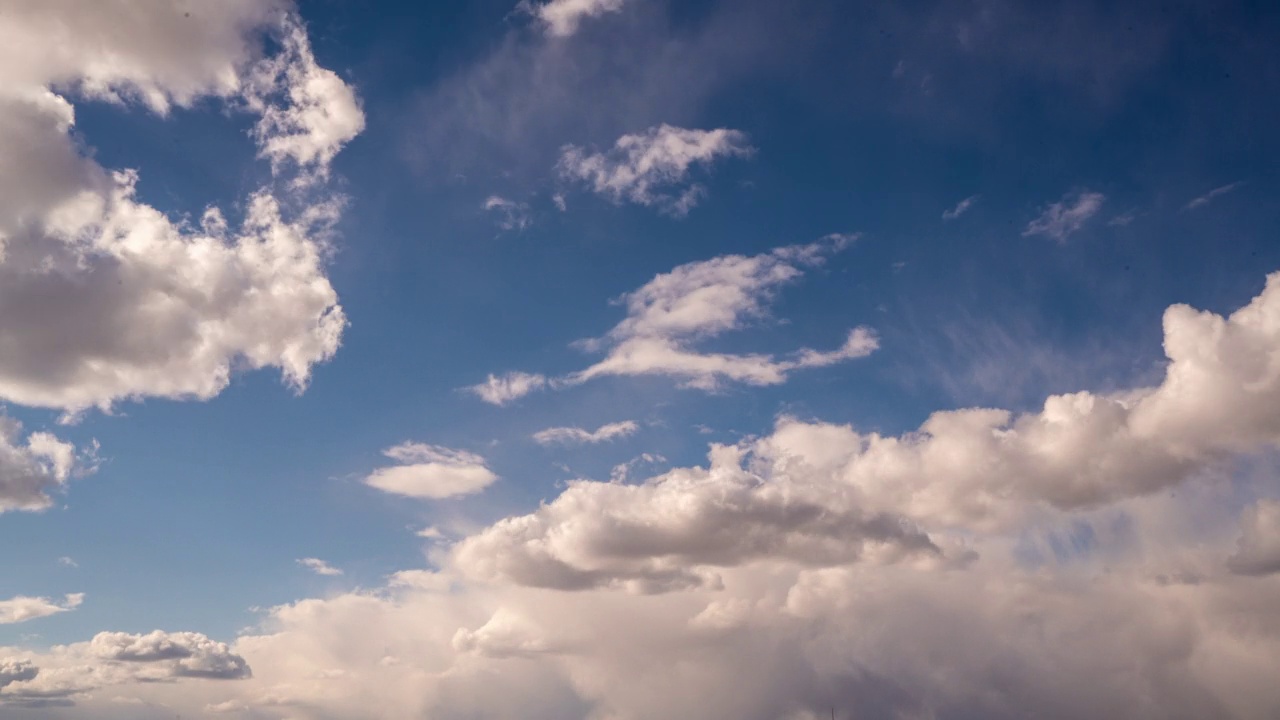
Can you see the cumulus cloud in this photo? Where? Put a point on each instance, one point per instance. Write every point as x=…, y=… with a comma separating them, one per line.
x=1062, y=218
x=68, y=673
x=982, y=564
x=509, y=214
x=431, y=472
x=23, y=608
x=961, y=208
x=31, y=469
x=561, y=18
x=577, y=435
x=1208, y=197
x=662, y=535
x=319, y=567
x=502, y=389
x=651, y=168
x=104, y=297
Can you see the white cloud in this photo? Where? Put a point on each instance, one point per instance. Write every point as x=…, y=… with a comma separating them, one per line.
x=67, y=561
x=22, y=608
x=694, y=302
x=502, y=389
x=672, y=312
x=319, y=567
x=651, y=168
x=30, y=470
x=511, y=215
x=577, y=435
x=1061, y=219
x=961, y=208
x=1258, y=550
x=561, y=18
x=1209, y=196
x=107, y=298
x=821, y=566
x=431, y=472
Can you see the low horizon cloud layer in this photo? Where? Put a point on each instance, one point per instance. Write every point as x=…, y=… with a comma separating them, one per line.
x=1043, y=546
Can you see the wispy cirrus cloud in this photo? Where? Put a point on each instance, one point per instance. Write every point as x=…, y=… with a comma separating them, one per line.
x=508, y=387
x=651, y=168
x=672, y=312
x=319, y=567
x=1209, y=197
x=960, y=208
x=577, y=435
x=1060, y=219
x=508, y=214
x=23, y=608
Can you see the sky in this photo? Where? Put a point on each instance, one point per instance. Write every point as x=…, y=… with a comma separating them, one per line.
x=629, y=359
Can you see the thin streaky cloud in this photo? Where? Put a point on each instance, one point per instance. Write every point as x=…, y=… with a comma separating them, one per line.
x=1060, y=219
x=319, y=567
x=1208, y=197
x=578, y=436
x=961, y=208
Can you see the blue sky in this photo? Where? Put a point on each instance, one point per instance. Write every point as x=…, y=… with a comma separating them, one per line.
x=1005, y=197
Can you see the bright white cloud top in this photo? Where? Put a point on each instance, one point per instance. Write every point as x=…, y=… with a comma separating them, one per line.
x=121, y=301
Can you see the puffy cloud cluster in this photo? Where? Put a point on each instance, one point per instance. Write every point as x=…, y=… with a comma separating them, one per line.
x=67, y=673
x=984, y=564
x=640, y=168
x=693, y=302
x=105, y=298
x=1060, y=219
x=431, y=472
x=30, y=470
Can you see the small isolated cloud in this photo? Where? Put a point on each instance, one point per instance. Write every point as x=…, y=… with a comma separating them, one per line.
x=577, y=435
x=1061, y=219
x=1208, y=197
x=1123, y=219
x=961, y=208
x=509, y=214
x=66, y=561
x=700, y=300
x=22, y=608
x=319, y=567
x=502, y=389
x=561, y=18
x=651, y=168
x=33, y=467
x=431, y=472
